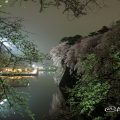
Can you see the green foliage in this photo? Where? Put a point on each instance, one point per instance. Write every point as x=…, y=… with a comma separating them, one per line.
x=115, y=56
x=90, y=90
x=116, y=23
x=71, y=40
x=114, y=76
x=98, y=118
x=11, y=31
x=3, y=3
x=92, y=34
x=101, y=31
x=112, y=115
x=18, y=101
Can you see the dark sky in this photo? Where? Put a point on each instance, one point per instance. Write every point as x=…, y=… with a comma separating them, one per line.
x=51, y=25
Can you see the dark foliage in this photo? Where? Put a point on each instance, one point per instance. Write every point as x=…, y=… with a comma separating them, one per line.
x=71, y=40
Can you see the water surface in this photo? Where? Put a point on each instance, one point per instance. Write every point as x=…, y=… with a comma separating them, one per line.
x=41, y=90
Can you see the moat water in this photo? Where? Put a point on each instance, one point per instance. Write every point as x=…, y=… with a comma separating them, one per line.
x=42, y=90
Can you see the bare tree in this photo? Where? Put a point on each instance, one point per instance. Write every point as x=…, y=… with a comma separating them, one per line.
x=75, y=8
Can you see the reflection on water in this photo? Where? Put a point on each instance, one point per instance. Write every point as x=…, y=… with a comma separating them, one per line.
x=16, y=70
x=17, y=81
x=14, y=77
x=43, y=97
x=56, y=104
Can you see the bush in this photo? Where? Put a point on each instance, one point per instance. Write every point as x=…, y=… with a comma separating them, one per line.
x=71, y=40
x=90, y=90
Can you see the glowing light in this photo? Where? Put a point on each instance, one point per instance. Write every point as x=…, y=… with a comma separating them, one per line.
x=34, y=71
x=16, y=70
x=7, y=44
x=2, y=102
x=33, y=65
x=16, y=77
x=20, y=70
x=6, y=1
x=11, y=47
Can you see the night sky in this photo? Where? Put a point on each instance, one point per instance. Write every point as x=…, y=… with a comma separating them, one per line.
x=51, y=25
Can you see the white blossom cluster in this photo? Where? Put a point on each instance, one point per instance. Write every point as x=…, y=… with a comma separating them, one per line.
x=66, y=53
x=58, y=53
x=69, y=55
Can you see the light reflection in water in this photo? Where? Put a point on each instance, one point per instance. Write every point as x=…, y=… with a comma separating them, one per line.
x=41, y=72
x=57, y=102
x=17, y=81
x=42, y=90
x=15, y=77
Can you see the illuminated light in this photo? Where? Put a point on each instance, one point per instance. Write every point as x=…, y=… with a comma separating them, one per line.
x=2, y=102
x=20, y=70
x=34, y=71
x=10, y=45
x=16, y=77
x=7, y=44
x=33, y=66
x=6, y=1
